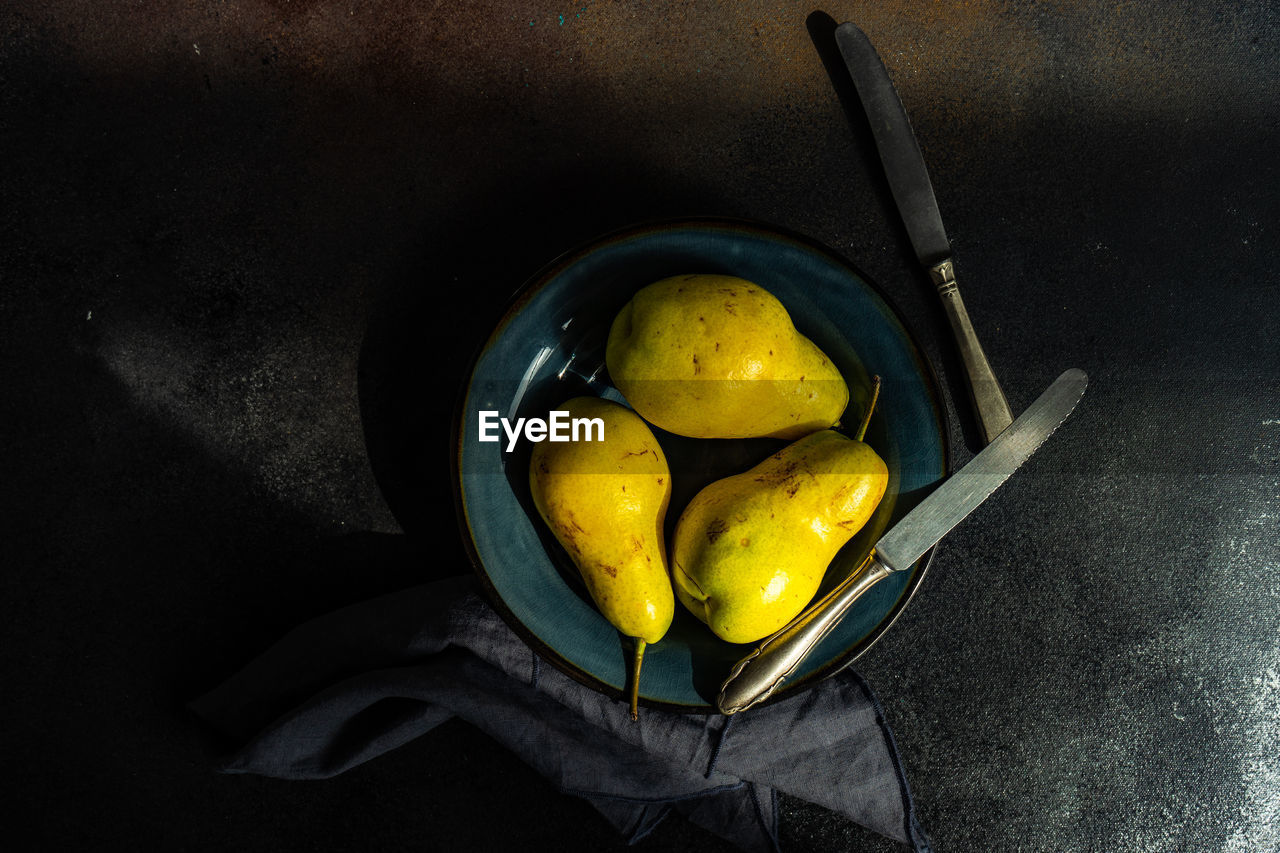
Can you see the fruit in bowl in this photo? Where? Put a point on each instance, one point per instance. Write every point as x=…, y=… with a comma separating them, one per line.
x=549, y=344
x=751, y=550
x=717, y=356
x=605, y=499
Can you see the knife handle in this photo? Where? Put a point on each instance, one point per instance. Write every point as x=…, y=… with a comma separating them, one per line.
x=989, y=402
x=754, y=678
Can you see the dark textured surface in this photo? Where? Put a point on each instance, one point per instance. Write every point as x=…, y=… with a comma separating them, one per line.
x=228, y=236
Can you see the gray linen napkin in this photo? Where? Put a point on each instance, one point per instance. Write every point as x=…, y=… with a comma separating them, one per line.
x=349, y=686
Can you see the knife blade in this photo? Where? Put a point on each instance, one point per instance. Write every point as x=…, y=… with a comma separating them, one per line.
x=913, y=193
x=759, y=674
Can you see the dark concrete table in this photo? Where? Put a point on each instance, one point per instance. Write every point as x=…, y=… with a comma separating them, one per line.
x=246, y=249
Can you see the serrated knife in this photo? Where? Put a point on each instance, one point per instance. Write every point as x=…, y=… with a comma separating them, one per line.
x=913, y=193
x=760, y=673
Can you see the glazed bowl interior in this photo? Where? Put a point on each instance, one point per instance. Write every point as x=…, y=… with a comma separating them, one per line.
x=549, y=346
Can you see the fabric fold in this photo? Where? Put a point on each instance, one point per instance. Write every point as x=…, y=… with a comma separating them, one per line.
x=347, y=687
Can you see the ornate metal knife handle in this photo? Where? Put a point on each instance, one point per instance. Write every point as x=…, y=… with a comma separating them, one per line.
x=755, y=677
x=989, y=402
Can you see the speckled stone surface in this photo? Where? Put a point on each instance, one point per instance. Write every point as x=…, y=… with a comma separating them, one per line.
x=247, y=248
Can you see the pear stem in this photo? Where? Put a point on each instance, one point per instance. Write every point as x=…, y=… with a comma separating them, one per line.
x=871, y=407
x=634, y=697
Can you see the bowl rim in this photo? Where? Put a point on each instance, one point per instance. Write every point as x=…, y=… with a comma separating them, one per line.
x=525, y=292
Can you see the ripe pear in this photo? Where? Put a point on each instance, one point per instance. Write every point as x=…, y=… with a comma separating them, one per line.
x=606, y=501
x=715, y=356
x=750, y=550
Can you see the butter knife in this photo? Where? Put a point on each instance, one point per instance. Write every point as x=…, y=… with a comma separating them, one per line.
x=913, y=193
x=755, y=677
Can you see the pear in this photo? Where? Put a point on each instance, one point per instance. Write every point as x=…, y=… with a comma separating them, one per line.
x=716, y=356
x=606, y=502
x=750, y=551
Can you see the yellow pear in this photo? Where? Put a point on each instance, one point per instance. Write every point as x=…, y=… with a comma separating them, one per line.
x=715, y=356
x=605, y=499
x=750, y=550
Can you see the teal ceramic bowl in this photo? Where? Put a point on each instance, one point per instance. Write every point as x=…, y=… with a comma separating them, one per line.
x=549, y=346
